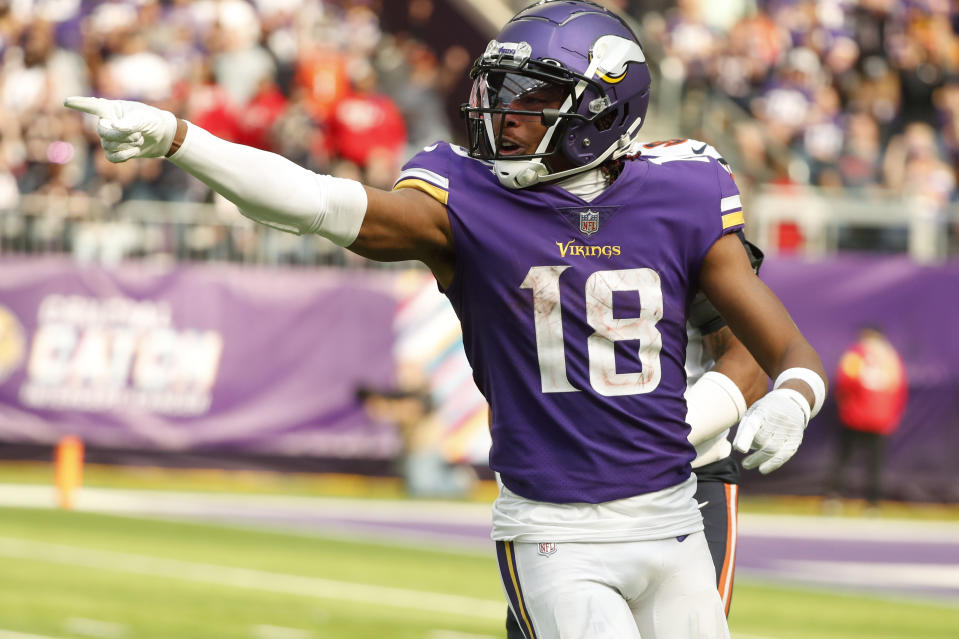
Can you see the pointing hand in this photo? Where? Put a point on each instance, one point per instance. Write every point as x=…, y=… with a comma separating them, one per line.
x=128, y=129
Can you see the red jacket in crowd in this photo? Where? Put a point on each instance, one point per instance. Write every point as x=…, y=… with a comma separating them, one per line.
x=871, y=386
x=364, y=124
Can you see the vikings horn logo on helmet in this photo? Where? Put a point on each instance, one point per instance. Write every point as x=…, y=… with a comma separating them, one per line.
x=613, y=55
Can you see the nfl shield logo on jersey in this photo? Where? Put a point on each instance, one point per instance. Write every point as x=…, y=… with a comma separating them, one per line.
x=547, y=548
x=588, y=222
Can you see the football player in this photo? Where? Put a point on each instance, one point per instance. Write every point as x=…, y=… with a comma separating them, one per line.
x=571, y=272
x=722, y=380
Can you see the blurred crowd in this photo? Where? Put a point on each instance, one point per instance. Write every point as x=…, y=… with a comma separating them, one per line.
x=317, y=81
x=853, y=94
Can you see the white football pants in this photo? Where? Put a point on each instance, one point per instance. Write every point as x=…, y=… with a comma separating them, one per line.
x=662, y=589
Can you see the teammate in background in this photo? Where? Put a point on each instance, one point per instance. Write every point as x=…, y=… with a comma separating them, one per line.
x=722, y=380
x=571, y=272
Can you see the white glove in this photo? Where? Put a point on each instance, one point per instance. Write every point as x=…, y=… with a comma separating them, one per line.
x=129, y=129
x=774, y=426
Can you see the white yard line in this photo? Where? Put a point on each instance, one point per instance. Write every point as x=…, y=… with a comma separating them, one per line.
x=453, y=634
x=436, y=634
x=374, y=521
x=861, y=573
x=251, y=579
x=158, y=502
x=94, y=628
x=265, y=631
x=177, y=503
x=845, y=528
x=110, y=500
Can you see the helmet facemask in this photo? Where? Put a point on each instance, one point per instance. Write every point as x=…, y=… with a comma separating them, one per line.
x=595, y=65
x=498, y=95
x=514, y=86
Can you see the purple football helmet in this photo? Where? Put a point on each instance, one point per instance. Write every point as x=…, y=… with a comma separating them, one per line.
x=574, y=53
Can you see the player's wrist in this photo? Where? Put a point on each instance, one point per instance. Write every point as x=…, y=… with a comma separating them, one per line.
x=178, y=137
x=811, y=379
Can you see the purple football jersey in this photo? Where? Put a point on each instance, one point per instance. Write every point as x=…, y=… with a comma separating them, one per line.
x=574, y=316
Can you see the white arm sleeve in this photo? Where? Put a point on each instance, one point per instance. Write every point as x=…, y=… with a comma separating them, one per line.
x=270, y=189
x=713, y=405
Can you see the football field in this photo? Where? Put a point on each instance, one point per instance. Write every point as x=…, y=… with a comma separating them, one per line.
x=81, y=574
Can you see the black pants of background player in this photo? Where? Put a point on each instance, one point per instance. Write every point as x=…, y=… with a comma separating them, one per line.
x=873, y=445
x=717, y=491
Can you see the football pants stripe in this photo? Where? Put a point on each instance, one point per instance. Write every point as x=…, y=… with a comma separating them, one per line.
x=507, y=565
x=729, y=560
x=432, y=190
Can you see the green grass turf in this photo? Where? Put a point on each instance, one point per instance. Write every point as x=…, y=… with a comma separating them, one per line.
x=163, y=579
x=774, y=612
x=39, y=595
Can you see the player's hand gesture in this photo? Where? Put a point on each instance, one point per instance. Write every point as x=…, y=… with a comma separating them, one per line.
x=129, y=129
x=773, y=426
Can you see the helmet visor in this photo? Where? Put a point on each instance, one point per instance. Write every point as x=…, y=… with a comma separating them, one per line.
x=498, y=97
x=521, y=92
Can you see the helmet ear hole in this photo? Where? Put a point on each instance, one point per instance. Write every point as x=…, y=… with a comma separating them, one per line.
x=605, y=121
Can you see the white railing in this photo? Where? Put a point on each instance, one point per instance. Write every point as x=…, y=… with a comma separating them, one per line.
x=826, y=219
x=164, y=231
x=184, y=231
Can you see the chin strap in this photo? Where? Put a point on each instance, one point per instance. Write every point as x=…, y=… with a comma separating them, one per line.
x=521, y=174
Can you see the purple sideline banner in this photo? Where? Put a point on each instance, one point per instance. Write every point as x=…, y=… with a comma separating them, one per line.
x=222, y=358
x=918, y=307
x=235, y=360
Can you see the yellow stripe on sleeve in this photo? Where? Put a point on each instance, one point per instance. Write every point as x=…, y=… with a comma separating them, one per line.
x=432, y=190
x=732, y=219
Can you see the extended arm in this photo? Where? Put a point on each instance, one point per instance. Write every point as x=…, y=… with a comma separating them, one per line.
x=381, y=225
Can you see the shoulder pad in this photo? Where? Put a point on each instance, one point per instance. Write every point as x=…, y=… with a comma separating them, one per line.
x=680, y=147
x=756, y=255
